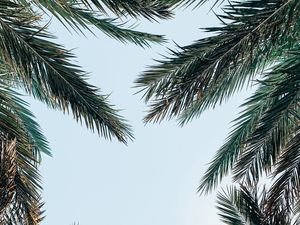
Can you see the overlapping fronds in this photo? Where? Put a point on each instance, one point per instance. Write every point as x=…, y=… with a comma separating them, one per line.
x=229, y=152
x=245, y=206
x=30, y=59
x=79, y=15
x=44, y=69
x=203, y=74
x=254, y=36
x=21, y=144
x=148, y=9
x=239, y=206
x=285, y=187
x=264, y=128
x=277, y=124
x=84, y=14
x=228, y=206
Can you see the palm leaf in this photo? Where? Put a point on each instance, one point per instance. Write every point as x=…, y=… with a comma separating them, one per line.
x=20, y=203
x=44, y=69
x=285, y=187
x=278, y=123
x=149, y=9
x=246, y=206
x=20, y=156
x=228, y=207
x=239, y=206
x=209, y=71
x=244, y=126
x=262, y=130
x=79, y=15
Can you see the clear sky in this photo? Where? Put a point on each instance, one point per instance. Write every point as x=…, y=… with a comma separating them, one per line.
x=153, y=180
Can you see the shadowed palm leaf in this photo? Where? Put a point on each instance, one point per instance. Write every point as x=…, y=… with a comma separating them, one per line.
x=21, y=144
x=201, y=75
x=78, y=15
x=264, y=129
x=245, y=206
x=44, y=69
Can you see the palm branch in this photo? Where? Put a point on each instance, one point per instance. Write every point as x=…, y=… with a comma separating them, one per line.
x=245, y=206
x=257, y=37
x=263, y=130
x=78, y=15
x=203, y=74
x=21, y=145
x=44, y=70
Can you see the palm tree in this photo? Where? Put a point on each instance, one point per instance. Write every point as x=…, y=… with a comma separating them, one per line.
x=256, y=45
x=31, y=61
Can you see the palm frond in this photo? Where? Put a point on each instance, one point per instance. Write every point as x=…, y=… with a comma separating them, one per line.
x=244, y=126
x=196, y=3
x=227, y=204
x=149, y=9
x=44, y=69
x=277, y=124
x=286, y=187
x=20, y=202
x=8, y=173
x=78, y=15
x=240, y=206
x=246, y=206
x=209, y=71
x=17, y=121
x=249, y=205
x=263, y=128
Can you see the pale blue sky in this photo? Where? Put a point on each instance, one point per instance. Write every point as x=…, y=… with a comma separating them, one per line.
x=153, y=180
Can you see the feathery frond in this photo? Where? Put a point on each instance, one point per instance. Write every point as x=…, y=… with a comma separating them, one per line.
x=245, y=206
x=262, y=130
x=286, y=185
x=279, y=123
x=78, y=15
x=209, y=71
x=227, y=204
x=45, y=70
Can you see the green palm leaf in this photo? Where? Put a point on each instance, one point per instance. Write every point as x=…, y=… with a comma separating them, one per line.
x=278, y=124
x=45, y=70
x=209, y=71
x=148, y=9
x=79, y=15
x=262, y=130
x=286, y=185
x=244, y=126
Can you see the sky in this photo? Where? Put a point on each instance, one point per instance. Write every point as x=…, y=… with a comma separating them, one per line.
x=153, y=180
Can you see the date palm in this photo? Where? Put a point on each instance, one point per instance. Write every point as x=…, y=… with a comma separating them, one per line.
x=256, y=45
x=31, y=61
